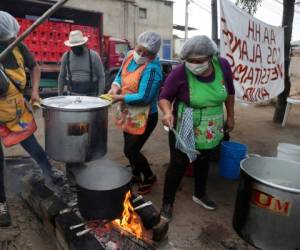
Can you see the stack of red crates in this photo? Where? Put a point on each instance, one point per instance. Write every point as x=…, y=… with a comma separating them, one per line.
x=46, y=42
x=92, y=33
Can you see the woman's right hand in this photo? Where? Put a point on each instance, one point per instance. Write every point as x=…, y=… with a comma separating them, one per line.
x=168, y=120
x=114, y=90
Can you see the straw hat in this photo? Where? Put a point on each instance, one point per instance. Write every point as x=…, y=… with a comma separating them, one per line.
x=76, y=38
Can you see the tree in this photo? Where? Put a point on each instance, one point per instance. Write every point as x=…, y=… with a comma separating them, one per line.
x=249, y=5
x=287, y=23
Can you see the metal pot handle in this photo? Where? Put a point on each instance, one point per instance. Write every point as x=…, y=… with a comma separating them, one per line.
x=252, y=155
x=45, y=113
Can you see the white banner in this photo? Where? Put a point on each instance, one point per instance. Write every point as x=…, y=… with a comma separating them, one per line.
x=255, y=51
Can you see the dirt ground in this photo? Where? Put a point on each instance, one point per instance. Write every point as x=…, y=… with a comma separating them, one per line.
x=192, y=227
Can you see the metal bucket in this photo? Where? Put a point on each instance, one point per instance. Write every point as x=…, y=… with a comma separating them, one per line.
x=267, y=208
x=75, y=128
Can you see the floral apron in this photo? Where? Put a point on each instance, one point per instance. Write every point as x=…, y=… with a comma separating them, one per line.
x=131, y=119
x=207, y=100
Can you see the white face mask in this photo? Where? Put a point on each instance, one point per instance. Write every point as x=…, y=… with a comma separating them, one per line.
x=139, y=59
x=197, y=68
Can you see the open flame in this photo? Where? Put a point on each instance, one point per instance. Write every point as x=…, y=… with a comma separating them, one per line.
x=130, y=221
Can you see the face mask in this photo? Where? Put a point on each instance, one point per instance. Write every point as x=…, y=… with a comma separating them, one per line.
x=197, y=68
x=139, y=59
x=78, y=50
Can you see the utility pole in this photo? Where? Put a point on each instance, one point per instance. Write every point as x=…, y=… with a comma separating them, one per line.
x=186, y=20
x=214, y=20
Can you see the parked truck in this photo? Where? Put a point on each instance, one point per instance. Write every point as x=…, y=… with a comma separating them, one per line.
x=47, y=41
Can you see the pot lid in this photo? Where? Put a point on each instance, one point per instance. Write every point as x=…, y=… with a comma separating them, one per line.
x=101, y=175
x=75, y=102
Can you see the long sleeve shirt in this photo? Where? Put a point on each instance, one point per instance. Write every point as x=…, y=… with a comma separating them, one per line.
x=80, y=69
x=149, y=84
x=176, y=85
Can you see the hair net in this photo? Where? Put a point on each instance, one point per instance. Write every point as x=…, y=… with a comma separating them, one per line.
x=198, y=46
x=150, y=40
x=9, y=26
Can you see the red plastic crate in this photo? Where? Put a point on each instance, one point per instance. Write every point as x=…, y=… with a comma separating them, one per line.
x=33, y=45
x=44, y=45
x=43, y=27
x=43, y=35
x=44, y=56
x=52, y=56
x=37, y=55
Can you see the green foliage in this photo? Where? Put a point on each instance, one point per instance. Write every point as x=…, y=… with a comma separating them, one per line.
x=248, y=5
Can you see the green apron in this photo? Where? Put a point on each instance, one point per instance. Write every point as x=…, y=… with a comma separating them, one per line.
x=207, y=100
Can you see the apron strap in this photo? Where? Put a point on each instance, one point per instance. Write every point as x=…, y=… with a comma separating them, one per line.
x=69, y=80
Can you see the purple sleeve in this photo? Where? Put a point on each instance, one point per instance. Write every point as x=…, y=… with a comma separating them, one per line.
x=173, y=83
x=227, y=76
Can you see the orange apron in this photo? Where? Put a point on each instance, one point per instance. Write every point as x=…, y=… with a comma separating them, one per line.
x=131, y=119
x=16, y=120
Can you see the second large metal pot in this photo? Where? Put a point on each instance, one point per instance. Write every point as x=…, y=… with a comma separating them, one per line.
x=102, y=187
x=267, y=209
x=75, y=128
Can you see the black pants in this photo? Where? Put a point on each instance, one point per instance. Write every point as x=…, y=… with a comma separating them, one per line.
x=133, y=145
x=176, y=170
x=35, y=150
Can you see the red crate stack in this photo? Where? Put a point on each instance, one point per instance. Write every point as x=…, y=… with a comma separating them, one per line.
x=46, y=42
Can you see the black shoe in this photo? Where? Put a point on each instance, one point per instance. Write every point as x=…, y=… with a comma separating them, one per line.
x=58, y=177
x=5, y=220
x=146, y=186
x=36, y=178
x=205, y=202
x=166, y=212
x=136, y=179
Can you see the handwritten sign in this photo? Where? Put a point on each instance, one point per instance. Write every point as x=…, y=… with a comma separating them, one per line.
x=255, y=52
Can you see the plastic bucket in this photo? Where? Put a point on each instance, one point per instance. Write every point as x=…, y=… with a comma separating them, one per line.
x=231, y=155
x=288, y=151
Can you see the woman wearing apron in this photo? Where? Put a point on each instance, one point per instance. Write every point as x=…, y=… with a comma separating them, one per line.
x=136, y=89
x=192, y=103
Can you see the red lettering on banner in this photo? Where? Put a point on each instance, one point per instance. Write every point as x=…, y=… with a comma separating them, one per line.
x=236, y=45
x=253, y=31
x=230, y=60
x=254, y=59
x=254, y=94
x=249, y=76
x=254, y=75
x=244, y=52
x=266, y=35
x=273, y=37
x=279, y=67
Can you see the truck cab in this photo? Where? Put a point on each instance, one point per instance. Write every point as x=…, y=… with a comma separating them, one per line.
x=115, y=50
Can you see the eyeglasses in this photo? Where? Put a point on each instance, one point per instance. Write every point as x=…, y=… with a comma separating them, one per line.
x=198, y=60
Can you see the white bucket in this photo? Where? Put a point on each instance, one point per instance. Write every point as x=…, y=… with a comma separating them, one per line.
x=288, y=151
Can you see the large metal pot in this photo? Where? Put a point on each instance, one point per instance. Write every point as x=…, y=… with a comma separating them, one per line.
x=267, y=209
x=75, y=128
x=101, y=189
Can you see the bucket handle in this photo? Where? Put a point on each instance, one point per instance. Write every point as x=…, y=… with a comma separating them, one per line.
x=46, y=114
x=252, y=155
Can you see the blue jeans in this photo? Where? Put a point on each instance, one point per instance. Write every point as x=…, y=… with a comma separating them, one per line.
x=35, y=150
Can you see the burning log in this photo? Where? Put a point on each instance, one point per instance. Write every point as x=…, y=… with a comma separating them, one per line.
x=145, y=209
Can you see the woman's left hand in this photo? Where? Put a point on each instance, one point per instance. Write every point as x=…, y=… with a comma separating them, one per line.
x=230, y=123
x=117, y=98
x=35, y=97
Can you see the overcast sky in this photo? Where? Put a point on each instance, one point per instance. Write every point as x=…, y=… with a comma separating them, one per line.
x=269, y=12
